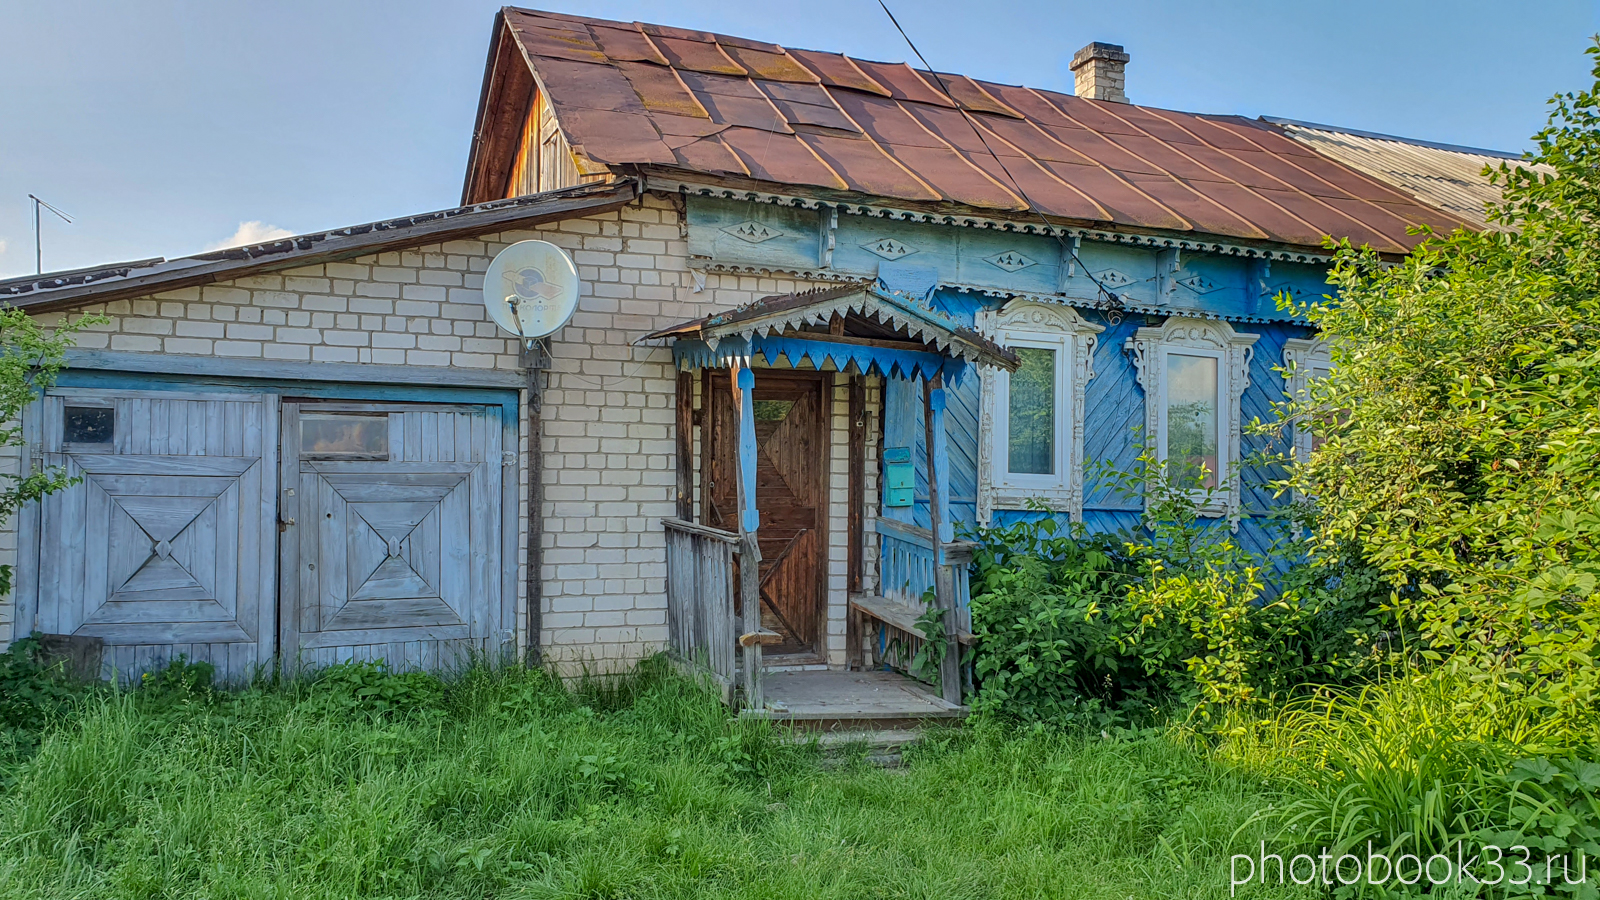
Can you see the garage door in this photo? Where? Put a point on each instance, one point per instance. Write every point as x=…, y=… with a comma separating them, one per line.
x=393, y=525
x=165, y=545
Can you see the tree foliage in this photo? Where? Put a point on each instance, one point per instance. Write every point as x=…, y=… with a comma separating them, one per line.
x=31, y=356
x=1461, y=462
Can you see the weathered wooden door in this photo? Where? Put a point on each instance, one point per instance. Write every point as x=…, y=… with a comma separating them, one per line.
x=791, y=470
x=393, y=518
x=164, y=545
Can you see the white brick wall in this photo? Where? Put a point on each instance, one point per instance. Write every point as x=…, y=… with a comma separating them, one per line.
x=608, y=409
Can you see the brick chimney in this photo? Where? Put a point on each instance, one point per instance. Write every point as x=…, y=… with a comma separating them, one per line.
x=1097, y=72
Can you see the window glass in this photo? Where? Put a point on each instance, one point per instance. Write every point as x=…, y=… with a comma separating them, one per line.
x=344, y=436
x=1192, y=413
x=88, y=424
x=771, y=410
x=1032, y=423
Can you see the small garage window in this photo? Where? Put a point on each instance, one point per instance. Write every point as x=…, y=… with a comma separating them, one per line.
x=93, y=426
x=344, y=436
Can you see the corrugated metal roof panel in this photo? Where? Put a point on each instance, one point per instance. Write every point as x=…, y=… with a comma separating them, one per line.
x=1442, y=175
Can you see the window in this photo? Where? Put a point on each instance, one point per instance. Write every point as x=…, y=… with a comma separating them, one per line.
x=344, y=436
x=1194, y=372
x=1192, y=414
x=88, y=426
x=1031, y=415
x=1304, y=361
x=1031, y=421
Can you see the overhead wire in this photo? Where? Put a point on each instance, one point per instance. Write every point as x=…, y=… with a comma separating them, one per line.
x=966, y=115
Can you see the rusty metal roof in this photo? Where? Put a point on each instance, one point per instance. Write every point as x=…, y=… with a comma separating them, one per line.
x=1444, y=175
x=635, y=95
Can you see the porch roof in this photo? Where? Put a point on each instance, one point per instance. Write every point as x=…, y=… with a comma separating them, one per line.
x=876, y=329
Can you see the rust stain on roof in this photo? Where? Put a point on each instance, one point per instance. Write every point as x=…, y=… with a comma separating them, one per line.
x=715, y=105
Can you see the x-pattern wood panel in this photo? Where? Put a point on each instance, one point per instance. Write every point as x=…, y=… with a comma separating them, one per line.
x=394, y=539
x=164, y=531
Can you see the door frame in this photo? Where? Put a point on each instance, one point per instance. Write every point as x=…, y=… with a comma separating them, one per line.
x=821, y=382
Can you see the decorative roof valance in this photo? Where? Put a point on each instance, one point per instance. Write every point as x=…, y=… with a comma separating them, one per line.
x=878, y=331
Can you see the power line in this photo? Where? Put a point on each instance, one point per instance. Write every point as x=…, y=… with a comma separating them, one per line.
x=1105, y=292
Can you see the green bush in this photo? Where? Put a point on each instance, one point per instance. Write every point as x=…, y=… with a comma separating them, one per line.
x=33, y=695
x=1070, y=624
x=1044, y=647
x=1462, y=464
x=372, y=689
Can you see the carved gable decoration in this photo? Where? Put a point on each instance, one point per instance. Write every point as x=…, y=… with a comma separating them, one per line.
x=888, y=248
x=753, y=232
x=1113, y=278
x=1010, y=261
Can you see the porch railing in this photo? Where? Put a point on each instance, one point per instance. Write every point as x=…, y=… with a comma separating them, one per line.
x=906, y=567
x=701, y=628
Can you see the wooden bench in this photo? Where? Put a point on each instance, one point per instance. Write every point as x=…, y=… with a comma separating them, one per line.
x=894, y=613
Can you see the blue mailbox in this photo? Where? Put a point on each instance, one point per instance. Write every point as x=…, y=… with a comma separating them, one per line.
x=899, y=477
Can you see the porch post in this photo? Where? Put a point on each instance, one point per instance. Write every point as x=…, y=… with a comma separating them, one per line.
x=685, y=437
x=939, y=527
x=749, y=518
x=744, y=382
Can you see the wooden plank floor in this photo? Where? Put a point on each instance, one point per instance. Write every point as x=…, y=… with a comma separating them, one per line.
x=830, y=699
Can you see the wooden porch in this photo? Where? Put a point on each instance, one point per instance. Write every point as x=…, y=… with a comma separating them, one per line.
x=726, y=612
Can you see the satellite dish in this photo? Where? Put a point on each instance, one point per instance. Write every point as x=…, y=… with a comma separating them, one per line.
x=531, y=289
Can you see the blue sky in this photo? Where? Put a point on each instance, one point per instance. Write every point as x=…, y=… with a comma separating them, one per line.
x=164, y=127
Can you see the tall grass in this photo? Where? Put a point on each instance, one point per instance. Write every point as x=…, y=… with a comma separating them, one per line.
x=506, y=784
x=1402, y=762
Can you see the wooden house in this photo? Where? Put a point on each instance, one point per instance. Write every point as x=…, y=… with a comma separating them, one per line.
x=835, y=314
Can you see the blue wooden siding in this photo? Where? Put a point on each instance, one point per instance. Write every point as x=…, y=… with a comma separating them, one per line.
x=1230, y=284
x=1113, y=423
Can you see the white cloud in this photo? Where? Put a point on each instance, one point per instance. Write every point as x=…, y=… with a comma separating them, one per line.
x=255, y=232
x=2, y=246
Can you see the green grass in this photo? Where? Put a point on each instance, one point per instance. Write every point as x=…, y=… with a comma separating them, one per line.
x=507, y=785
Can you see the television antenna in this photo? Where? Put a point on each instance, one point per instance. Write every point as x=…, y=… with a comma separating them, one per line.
x=38, y=252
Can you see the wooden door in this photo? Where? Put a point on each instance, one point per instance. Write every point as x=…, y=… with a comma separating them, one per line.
x=791, y=481
x=393, y=525
x=164, y=544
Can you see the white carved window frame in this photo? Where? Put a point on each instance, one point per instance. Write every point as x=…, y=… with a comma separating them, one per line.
x=1302, y=358
x=1053, y=326
x=1149, y=348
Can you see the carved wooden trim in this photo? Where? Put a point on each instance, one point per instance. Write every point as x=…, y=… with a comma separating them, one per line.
x=1300, y=355
x=1148, y=349
x=1075, y=340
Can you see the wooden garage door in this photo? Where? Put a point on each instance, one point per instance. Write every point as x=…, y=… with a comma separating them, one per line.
x=393, y=526
x=165, y=543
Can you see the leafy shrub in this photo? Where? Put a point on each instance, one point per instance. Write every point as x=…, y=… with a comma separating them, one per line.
x=181, y=677
x=1552, y=807
x=1070, y=623
x=372, y=689
x=1462, y=466
x=33, y=695
x=1044, y=647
